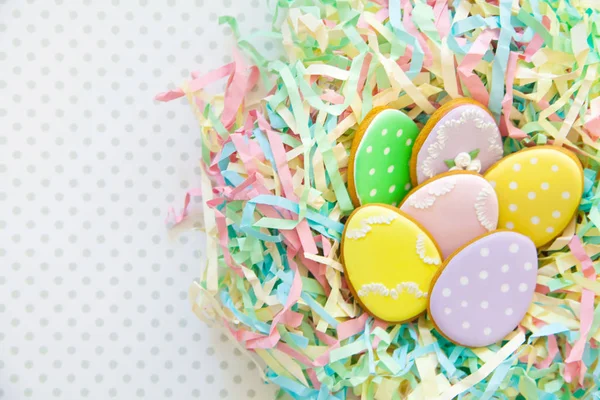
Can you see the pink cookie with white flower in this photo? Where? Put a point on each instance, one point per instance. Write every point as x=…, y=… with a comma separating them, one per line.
x=454, y=207
x=460, y=135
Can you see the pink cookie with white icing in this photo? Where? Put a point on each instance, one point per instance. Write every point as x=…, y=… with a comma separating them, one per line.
x=461, y=135
x=455, y=208
x=482, y=293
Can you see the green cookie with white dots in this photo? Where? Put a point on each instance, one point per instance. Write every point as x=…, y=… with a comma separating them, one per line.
x=379, y=166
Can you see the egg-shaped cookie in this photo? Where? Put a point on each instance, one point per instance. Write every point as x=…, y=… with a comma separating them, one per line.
x=454, y=207
x=484, y=290
x=378, y=170
x=389, y=261
x=460, y=135
x=539, y=190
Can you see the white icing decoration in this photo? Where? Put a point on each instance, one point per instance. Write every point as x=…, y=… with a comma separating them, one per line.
x=449, y=184
x=475, y=166
x=566, y=195
x=510, y=225
x=446, y=292
x=522, y=287
x=480, y=209
x=484, y=252
x=528, y=266
x=513, y=248
x=463, y=162
x=421, y=204
x=365, y=225
x=487, y=331
x=483, y=275
x=421, y=251
x=556, y=214
x=484, y=304
x=434, y=150
x=382, y=290
x=505, y=288
x=466, y=325
x=434, y=191
x=508, y=311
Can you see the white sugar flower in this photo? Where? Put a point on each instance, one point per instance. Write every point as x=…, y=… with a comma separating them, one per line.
x=465, y=162
x=475, y=166
x=462, y=160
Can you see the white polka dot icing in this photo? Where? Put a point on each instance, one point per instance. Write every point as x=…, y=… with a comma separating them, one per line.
x=500, y=296
x=540, y=199
x=458, y=127
x=379, y=158
x=451, y=200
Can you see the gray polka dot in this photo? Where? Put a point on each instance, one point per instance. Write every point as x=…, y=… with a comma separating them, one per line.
x=100, y=162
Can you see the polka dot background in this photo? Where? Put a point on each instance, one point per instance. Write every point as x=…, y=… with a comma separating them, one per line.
x=93, y=291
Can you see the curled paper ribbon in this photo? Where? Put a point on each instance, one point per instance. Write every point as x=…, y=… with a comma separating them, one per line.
x=273, y=188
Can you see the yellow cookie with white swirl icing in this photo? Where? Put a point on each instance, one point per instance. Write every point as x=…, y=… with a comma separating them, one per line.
x=389, y=261
x=539, y=190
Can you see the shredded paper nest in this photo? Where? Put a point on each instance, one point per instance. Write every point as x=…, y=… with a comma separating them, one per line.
x=275, y=150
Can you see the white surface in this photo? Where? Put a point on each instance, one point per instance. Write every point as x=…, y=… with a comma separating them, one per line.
x=93, y=294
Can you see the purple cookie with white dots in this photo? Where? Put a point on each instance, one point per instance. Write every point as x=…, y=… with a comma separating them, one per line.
x=484, y=290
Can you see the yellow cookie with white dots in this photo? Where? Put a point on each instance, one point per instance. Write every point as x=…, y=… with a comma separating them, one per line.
x=539, y=190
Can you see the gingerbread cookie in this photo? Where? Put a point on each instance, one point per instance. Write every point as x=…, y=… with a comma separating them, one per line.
x=484, y=290
x=454, y=207
x=378, y=170
x=539, y=190
x=389, y=261
x=460, y=135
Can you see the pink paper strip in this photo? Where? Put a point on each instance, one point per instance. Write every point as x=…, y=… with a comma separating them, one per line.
x=351, y=327
x=507, y=128
x=467, y=66
x=170, y=95
x=552, y=352
x=294, y=354
x=442, y=17
x=196, y=192
x=587, y=265
x=586, y=320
